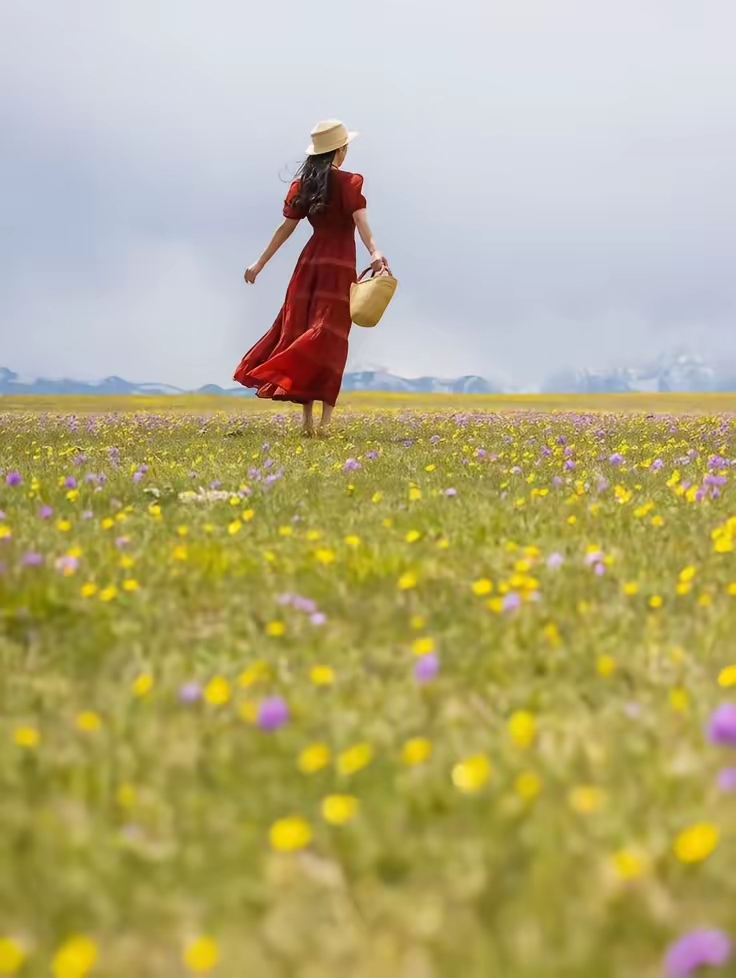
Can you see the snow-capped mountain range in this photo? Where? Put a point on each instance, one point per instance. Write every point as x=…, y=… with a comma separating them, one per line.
x=679, y=372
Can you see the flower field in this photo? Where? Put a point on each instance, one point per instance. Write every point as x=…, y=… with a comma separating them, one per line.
x=446, y=695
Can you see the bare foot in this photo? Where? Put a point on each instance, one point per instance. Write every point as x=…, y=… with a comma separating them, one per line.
x=307, y=431
x=323, y=431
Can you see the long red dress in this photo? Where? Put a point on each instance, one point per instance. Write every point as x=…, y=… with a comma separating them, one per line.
x=302, y=357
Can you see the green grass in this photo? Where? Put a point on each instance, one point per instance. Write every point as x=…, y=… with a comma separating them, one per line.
x=153, y=828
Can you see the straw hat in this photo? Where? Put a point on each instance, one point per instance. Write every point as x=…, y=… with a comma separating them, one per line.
x=328, y=136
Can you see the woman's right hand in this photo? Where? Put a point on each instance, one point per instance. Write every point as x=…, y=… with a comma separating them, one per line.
x=252, y=272
x=378, y=262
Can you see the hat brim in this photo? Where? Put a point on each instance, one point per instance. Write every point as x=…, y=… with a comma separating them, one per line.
x=312, y=151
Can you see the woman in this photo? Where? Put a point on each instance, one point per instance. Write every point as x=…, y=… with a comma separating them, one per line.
x=302, y=357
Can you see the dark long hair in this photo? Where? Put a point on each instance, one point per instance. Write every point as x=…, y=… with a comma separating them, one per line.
x=314, y=183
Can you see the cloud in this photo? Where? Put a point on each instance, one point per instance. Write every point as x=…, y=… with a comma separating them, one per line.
x=552, y=182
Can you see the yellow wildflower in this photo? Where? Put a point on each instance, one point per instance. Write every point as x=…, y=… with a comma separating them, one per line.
x=339, y=809
x=314, y=758
x=88, y=590
x=727, y=677
x=27, y=737
x=130, y=585
x=696, y=843
x=407, y=581
x=88, y=721
x=290, y=834
x=256, y=672
x=75, y=958
x=12, y=956
x=322, y=675
x=482, y=586
x=606, y=665
x=324, y=555
x=275, y=629
x=217, y=692
x=142, y=684
x=201, y=954
x=471, y=774
x=415, y=493
x=423, y=645
x=628, y=865
x=180, y=553
x=522, y=728
x=527, y=785
x=412, y=536
x=416, y=751
x=352, y=540
x=377, y=497
x=109, y=593
x=247, y=515
x=417, y=622
x=586, y=800
x=354, y=759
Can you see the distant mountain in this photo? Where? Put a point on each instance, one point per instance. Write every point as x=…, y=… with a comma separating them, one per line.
x=675, y=372
x=360, y=380
x=680, y=372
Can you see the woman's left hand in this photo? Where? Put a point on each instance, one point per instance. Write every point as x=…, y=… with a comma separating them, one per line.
x=378, y=262
x=252, y=272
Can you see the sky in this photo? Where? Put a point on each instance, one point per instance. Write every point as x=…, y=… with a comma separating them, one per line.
x=551, y=180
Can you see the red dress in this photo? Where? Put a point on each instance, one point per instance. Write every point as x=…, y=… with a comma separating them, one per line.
x=302, y=357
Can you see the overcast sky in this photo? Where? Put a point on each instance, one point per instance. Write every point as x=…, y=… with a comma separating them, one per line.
x=552, y=180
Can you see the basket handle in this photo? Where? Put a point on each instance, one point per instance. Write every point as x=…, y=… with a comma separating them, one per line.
x=384, y=271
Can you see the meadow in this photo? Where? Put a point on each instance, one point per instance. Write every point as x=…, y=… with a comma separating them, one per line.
x=446, y=695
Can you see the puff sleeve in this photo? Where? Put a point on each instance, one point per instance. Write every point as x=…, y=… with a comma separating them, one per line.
x=354, y=198
x=292, y=212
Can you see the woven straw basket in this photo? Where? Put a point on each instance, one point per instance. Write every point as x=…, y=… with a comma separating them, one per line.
x=369, y=297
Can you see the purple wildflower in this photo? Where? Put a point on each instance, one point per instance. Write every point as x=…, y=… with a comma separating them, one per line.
x=722, y=725
x=434, y=439
x=273, y=713
x=451, y=491
x=318, y=618
x=426, y=668
x=67, y=564
x=593, y=558
x=616, y=459
x=555, y=560
x=190, y=692
x=215, y=484
x=371, y=454
x=13, y=478
x=695, y=949
x=570, y=464
x=656, y=465
x=556, y=481
x=137, y=476
x=726, y=779
x=351, y=465
x=87, y=514
x=121, y=542
x=285, y=598
x=32, y=559
x=511, y=601
x=3, y=516
x=70, y=482
x=304, y=604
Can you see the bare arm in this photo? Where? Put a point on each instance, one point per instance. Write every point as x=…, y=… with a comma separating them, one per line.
x=282, y=234
x=366, y=236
